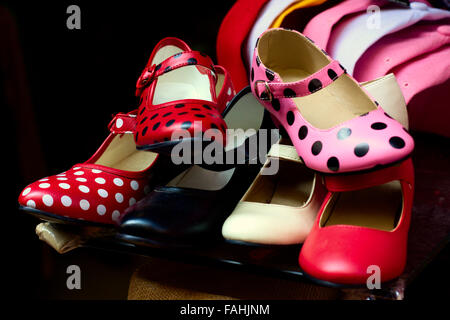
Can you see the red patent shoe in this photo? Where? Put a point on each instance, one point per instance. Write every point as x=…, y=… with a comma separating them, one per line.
x=361, y=227
x=100, y=189
x=182, y=95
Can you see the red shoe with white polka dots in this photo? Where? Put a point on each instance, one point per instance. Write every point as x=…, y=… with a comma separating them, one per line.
x=182, y=95
x=100, y=189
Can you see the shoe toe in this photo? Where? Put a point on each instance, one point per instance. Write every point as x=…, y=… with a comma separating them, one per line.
x=349, y=255
x=267, y=224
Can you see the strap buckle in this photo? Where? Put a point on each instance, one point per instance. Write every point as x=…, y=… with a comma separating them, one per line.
x=266, y=95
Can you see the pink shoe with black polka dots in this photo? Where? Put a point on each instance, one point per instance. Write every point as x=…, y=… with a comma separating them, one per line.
x=334, y=124
x=100, y=189
x=182, y=95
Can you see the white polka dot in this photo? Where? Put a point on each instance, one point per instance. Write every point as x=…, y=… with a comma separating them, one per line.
x=48, y=200
x=79, y=173
x=84, y=204
x=115, y=215
x=61, y=179
x=229, y=91
x=26, y=191
x=44, y=185
x=119, y=123
x=31, y=204
x=100, y=180
x=134, y=185
x=147, y=190
x=102, y=193
x=64, y=185
x=101, y=209
x=83, y=189
x=61, y=174
x=76, y=168
x=132, y=201
x=81, y=179
x=119, y=197
x=96, y=171
x=66, y=201
x=45, y=179
x=118, y=182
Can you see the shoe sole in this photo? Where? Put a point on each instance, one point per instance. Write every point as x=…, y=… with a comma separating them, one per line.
x=50, y=217
x=154, y=243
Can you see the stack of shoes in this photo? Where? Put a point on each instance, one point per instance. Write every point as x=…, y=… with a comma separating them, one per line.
x=339, y=179
x=357, y=214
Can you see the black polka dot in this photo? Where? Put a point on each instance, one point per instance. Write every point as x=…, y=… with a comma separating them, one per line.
x=186, y=125
x=252, y=75
x=378, y=126
x=276, y=104
x=180, y=105
x=264, y=95
x=361, y=149
x=199, y=115
x=258, y=62
x=167, y=69
x=207, y=107
x=316, y=148
x=142, y=111
x=166, y=114
x=170, y=122
x=196, y=109
x=143, y=120
x=270, y=76
x=340, y=65
x=314, y=85
x=397, y=142
x=144, y=131
x=182, y=113
x=290, y=118
x=344, y=133
x=154, y=116
x=214, y=126
x=256, y=44
x=155, y=126
x=192, y=61
x=333, y=164
x=302, y=132
x=364, y=114
x=376, y=102
x=326, y=53
x=158, y=67
x=333, y=75
x=289, y=93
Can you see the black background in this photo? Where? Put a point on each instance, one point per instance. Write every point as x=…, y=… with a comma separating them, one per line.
x=75, y=81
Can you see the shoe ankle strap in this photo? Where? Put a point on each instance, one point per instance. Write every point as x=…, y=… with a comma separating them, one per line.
x=176, y=61
x=268, y=90
x=284, y=152
x=123, y=123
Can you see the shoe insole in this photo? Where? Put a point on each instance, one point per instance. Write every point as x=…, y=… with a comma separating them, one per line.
x=342, y=98
x=291, y=186
x=183, y=83
x=199, y=178
x=376, y=207
x=246, y=114
x=121, y=154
